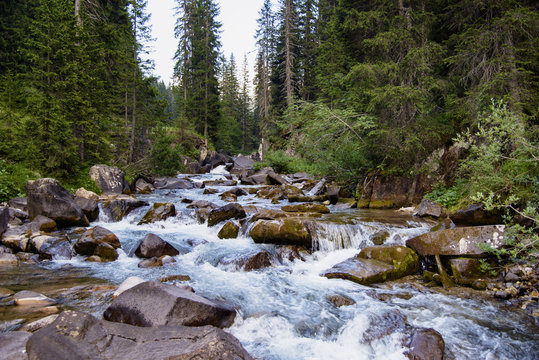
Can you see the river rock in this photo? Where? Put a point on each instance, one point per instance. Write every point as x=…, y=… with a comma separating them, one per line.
x=13, y=345
x=109, y=179
x=51, y=247
x=269, y=214
x=475, y=215
x=384, y=323
x=277, y=179
x=91, y=238
x=286, y=231
x=7, y=259
x=156, y=262
x=48, y=198
x=4, y=219
x=19, y=203
x=106, y=252
x=32, y=298
x=340, y=300
x=276, y=193
x=458, y=241
x=118, y=207
x=256, y=179
x=227, y=212
x=429, y=208
x=158, y=212
x=76, y=335
x=290, y=253
x=173, y=184
x=229, y=231
x=89, y=207
x=376, y=264
x=256, y=260
x=214, y=159
x=333, y=194
x=465, y=269
x=143, y=187
x=379, y=237
x=86, y=194
x=242, y=164
x=202, y=204
x=43, y=223
x=39, y=324
x=425, y=344
x=17, y=238
x=153, y=304
x=226, y=182
x=127, y=284
x=152, y=245
x=314, y=208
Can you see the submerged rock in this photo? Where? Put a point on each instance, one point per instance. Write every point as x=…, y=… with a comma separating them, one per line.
x=48, y=198
x=76, y=335
x=154, y=304
x=458, y=241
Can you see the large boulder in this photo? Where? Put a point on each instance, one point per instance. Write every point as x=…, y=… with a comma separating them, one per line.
x=154, y=304
x=458, y=241
x=158, y=212
x=76, y=335
x=91, y=238
x=118, y=207
x=229, y=231
x=172, y=183
x=109, y=179
x=51, y=247
x=227, y=212
x=13, y=345
x=241, y=165
x=284, y=231
x=87, y=194
x=376, y=264
x=48, y=198
x=4, y=219
x=152, y=245
x=89, y=207
x=429, y=208
x=475, y=215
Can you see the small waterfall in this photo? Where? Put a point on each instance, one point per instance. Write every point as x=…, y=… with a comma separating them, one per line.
x=331, y=236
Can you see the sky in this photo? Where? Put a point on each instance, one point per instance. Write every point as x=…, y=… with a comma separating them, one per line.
x=238, y=19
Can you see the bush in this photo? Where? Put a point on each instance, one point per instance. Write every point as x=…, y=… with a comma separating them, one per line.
x=285, y=164
x=13, y=178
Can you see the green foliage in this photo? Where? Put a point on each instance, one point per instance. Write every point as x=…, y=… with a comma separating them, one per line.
x=13, y=178
x=284, y=163
x=447, y=197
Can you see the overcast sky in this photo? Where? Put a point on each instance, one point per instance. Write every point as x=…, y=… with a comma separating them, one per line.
x=238, y=19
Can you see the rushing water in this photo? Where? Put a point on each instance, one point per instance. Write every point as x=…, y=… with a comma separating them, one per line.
x=283, y=310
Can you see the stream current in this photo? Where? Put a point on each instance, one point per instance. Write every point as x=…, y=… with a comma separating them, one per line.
x=283, y=310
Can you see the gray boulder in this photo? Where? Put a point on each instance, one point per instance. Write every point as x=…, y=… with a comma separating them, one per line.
x=429, y=208
x=51, y=247
x=241, y=165
x=158, y=212
x=13, y=345
x=152, y=245
x=76, y=335
x=91, y=238
x=48, y=198
x=109, y=179
x=4, y=219
x=154, y=304
x=19, y=203
x=117, y=208
x=89, y=207
x=172, y=183
x=227, y=212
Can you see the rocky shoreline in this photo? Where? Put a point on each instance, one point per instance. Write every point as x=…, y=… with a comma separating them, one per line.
x=52, y=224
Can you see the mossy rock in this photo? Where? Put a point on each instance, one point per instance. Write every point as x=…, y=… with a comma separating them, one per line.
x=363, y=204
x=404, y=259
x=308, y=207
x=158, y=212
x=229, y=231
x=382, y=204
x=287, y=231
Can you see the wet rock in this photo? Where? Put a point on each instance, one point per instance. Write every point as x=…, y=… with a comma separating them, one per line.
x=318, y=189
x=158, y=212
x=379, y=237
x=202, y=204
x=458, y=241
x=4, y=219
x=256, y=179
x=43, y=223
x=464, y=269
x=128, y=284
x=443, y=224
x=143, y=187
x=93, y=258
x=229, y=197
x=86, y=194
x=106, y=252
x=290, y=253
x=229, y=231
x=39, y=324
x=315, y=208
x=154, y=304
x=51, y=247
x=227, y=212
x=109, y=179
x=32, y=298
x=173, y=184
x=210, y=191
x=376, y=264
x=202, y=215
x=118, y=207
x=287, y=231
x=8, y=259
x=28, y=258
x=75, y=335
x=4, y=293
x=89, y=207
x=156, y=261
x=475, y=215
x=269, y=214
x=277, y=179
x=48, y=198
x=384, y=324
x=13, y=345
x=175, y=278
x=425, y=344
x=333, y=194
x=260, y=260
x=236, y=192
x=153, y=246
x=303, y=198
x=340, y=300
x=17, y=238
x=89, y=241
x=429, y=208
x=19, y=203
x=278, y=192
x=220, y=183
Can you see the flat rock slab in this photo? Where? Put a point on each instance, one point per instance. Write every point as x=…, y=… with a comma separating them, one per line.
x=31, y=298
x=153, y=304
x=458, y=241
x=75, y=335
x=13, y=345
x=361, y=271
